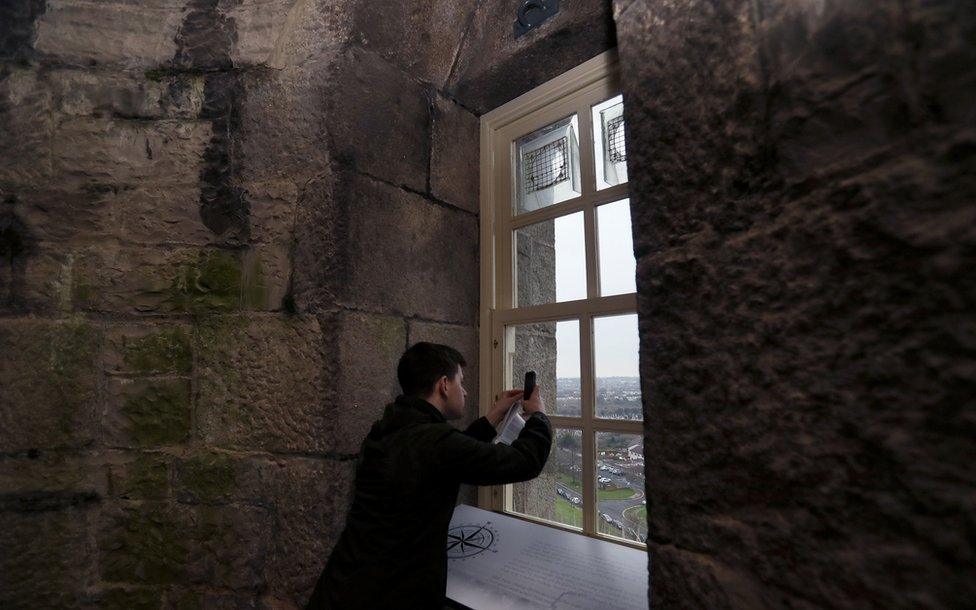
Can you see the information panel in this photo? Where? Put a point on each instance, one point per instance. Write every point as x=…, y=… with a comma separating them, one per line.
x=495, y=561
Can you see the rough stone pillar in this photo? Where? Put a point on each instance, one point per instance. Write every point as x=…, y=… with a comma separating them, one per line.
x=802, y=196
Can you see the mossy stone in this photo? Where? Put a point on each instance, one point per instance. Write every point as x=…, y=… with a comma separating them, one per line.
x=159, y=414
x=207, y=477
x=145, y=546
x=212, y=282
x=163, y=352
x=131, y=599
x=146, y=477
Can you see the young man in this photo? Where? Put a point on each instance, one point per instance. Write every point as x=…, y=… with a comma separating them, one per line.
x=392, y=553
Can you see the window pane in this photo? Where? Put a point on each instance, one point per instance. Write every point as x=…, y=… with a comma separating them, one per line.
x=618, y=270
x=615, y=347
x=547, y=166
x=551, y=349
x=557, y=493
x=550, y=261
x=609, y=149
x=622, y=509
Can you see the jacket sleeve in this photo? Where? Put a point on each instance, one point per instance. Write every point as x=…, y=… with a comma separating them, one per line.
x=482, y=430
x=468, y=460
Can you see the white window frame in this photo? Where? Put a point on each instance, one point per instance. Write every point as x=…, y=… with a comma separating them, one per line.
x=577, y=90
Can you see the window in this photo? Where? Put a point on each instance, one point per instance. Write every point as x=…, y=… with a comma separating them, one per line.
x=558, y=297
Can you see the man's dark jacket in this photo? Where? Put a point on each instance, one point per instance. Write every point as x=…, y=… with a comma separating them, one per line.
x=392, y=553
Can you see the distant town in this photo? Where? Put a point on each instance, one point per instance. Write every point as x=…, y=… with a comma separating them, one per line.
x=616, y=397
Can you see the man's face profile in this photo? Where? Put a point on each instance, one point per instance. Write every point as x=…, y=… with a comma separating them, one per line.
x=454, y=395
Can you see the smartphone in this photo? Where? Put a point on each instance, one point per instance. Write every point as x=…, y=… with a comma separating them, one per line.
x=529, y=386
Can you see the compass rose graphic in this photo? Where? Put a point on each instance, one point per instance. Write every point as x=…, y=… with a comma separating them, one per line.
x=466, y=541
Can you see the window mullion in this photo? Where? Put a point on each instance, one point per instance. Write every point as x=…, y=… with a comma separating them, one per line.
x=587, y=396
x=505, y=285
x=592, y=264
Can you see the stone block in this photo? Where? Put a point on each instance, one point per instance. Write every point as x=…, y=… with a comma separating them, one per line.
x=266, y=275
x=492, y=68
x=124, y=34
x=27, y=122
x=420, y=38
x=287, y=124
x=372, y=101
x=59, y=215
x=95, y=211
x=265, y=383
x=149, y=349
x=147, y=412
x=454, y=168
x=146, y=280
x=369, y=348
x=212, y=477
x=36, y=279
x=18, y=35
x=150, y=215
x=316, y=32
x=465, y=340
x=119, y=151
x=319, y=232
x=49, y=380
x=159, y=544
x=129, y=598
x=47, y=481
x=273, y=207
x=259, y=28
x=47, y=558
x=312, y=498
x=436, y=248
x=126, y=94
x=841, y=93
x=139, y=476
x=204, y=598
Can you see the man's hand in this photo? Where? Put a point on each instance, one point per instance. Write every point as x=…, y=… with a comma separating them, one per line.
x=503, y=403
x=533, y=404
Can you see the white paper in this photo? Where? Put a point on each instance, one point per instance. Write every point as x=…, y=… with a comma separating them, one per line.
x=510, y=426
x=500, y=562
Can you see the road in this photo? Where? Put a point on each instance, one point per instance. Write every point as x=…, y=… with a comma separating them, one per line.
x=615, y=508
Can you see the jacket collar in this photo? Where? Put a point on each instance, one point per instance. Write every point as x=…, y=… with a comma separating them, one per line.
x=421, y=406
x=402, y=412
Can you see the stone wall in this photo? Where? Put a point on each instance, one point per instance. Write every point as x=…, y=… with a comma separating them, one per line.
x=803, y=187
x=221, y=222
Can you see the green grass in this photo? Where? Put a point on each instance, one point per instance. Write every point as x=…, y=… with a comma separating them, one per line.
x=568, y=513
x=615, y=494
x=569, y=481
x=608, y=528
x=602, y=494
x=637, y=513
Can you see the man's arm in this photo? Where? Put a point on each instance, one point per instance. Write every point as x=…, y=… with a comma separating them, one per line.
x=482, y=430
x=468, y=460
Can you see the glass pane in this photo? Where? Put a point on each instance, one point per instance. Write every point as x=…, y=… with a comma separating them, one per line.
x=557, y=493
x=609, y=148
x=618, y=270
x=550, y=261
x=551, y=349
x=621, y=507
x=615, y=347
x=547, y=166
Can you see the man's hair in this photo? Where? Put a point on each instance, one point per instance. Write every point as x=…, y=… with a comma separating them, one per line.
x=424, y=363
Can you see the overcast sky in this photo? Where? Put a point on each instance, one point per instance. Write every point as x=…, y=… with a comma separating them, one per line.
x=615, y=338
